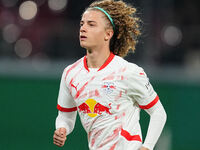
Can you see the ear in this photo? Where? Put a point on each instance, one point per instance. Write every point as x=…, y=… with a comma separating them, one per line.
x=109, y=34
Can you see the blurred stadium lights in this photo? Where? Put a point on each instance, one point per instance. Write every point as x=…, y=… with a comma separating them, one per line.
x=57, y=5
x=11, y=32
x=9, y=3
x=28, y=10
x=6, y=17
x=23, y=48
x=171, y=35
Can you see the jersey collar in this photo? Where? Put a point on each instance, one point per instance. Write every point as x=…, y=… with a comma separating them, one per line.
x=110, y=58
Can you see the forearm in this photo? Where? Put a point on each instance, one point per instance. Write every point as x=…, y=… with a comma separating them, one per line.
x=66, y=120
x=157, y=121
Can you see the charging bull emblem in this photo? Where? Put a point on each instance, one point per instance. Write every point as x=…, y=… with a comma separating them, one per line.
x=93, y=108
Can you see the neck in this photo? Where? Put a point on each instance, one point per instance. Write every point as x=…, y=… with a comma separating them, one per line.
x=96, y=58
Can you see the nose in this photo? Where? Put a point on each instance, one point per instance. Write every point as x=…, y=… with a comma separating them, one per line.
x=83, y=29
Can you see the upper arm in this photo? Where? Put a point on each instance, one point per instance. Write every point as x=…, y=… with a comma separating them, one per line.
x=140, y=89
x=65, y=100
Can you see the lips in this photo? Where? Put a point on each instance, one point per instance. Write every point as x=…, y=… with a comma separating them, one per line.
x=83, y=37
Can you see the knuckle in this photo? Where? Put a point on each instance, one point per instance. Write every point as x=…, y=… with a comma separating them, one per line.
x=56, y=131
x=62, y=140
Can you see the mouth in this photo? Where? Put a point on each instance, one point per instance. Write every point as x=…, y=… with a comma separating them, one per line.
x=82, y=37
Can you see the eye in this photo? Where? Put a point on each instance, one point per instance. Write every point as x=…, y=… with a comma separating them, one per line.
x=91, y=25
x=81, y=23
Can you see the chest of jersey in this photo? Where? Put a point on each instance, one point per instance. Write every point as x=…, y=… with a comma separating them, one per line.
x=99, y=93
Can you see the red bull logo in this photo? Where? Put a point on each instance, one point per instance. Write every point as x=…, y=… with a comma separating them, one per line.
x=93, y=108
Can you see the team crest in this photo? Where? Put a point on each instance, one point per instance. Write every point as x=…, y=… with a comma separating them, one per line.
x=108, y=87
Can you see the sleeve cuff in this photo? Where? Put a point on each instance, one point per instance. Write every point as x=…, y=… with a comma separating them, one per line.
x=66, y=109
x=151, y=104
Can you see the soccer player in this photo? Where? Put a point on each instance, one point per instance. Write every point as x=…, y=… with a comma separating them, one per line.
x=107, y=91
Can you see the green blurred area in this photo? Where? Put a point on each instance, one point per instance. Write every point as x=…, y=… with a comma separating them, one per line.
x=28, y=112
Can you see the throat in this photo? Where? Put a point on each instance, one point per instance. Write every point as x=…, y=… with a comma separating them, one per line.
x=89, y=51
x=96, y=60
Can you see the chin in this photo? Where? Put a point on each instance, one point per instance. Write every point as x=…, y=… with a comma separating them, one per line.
x=83, y=45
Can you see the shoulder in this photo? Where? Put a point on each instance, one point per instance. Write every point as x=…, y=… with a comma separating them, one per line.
x=119, y=61
x=134, y=68
x=74, y=65
x=70, y=69
x=131, y=68
x=135, y=72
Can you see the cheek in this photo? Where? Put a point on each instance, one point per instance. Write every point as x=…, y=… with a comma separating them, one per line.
x=98, y=35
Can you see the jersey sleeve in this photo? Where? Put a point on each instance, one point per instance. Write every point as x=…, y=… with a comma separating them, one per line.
x=140, y=89
x=67, y=108
x=65, y=100
x=158, y=119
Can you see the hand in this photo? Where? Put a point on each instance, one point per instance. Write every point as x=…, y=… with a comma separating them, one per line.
x=143, y=148
x=59, y=137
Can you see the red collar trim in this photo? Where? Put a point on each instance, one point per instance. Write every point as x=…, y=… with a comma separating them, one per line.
x=85, y=64
x=110, y=58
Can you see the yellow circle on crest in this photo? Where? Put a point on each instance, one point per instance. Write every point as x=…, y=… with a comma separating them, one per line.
x=91, y=103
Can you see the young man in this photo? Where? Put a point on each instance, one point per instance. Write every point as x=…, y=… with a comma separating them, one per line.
x=106, y=90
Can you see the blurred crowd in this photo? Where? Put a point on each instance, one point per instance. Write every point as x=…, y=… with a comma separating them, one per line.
x=49, y=29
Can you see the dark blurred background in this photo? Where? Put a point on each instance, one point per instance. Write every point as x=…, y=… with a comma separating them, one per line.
x=39, y=38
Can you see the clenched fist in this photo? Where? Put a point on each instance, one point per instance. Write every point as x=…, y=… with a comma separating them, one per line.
x=59, y=137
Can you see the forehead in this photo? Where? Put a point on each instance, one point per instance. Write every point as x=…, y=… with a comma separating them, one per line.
x=92, y=15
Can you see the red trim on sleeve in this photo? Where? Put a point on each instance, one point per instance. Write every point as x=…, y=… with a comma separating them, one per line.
x=110, y=58
x=150, y=104
x=66, y=109
x=129, y=137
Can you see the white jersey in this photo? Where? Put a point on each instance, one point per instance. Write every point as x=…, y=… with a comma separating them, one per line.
x=108, y=101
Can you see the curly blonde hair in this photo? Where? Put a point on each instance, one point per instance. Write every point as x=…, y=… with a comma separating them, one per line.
x=127, y=25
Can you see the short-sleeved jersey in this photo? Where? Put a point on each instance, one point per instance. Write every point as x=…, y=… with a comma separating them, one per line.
x=108, y=101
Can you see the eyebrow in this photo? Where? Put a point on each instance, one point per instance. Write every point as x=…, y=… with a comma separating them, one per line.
x=89, y=21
